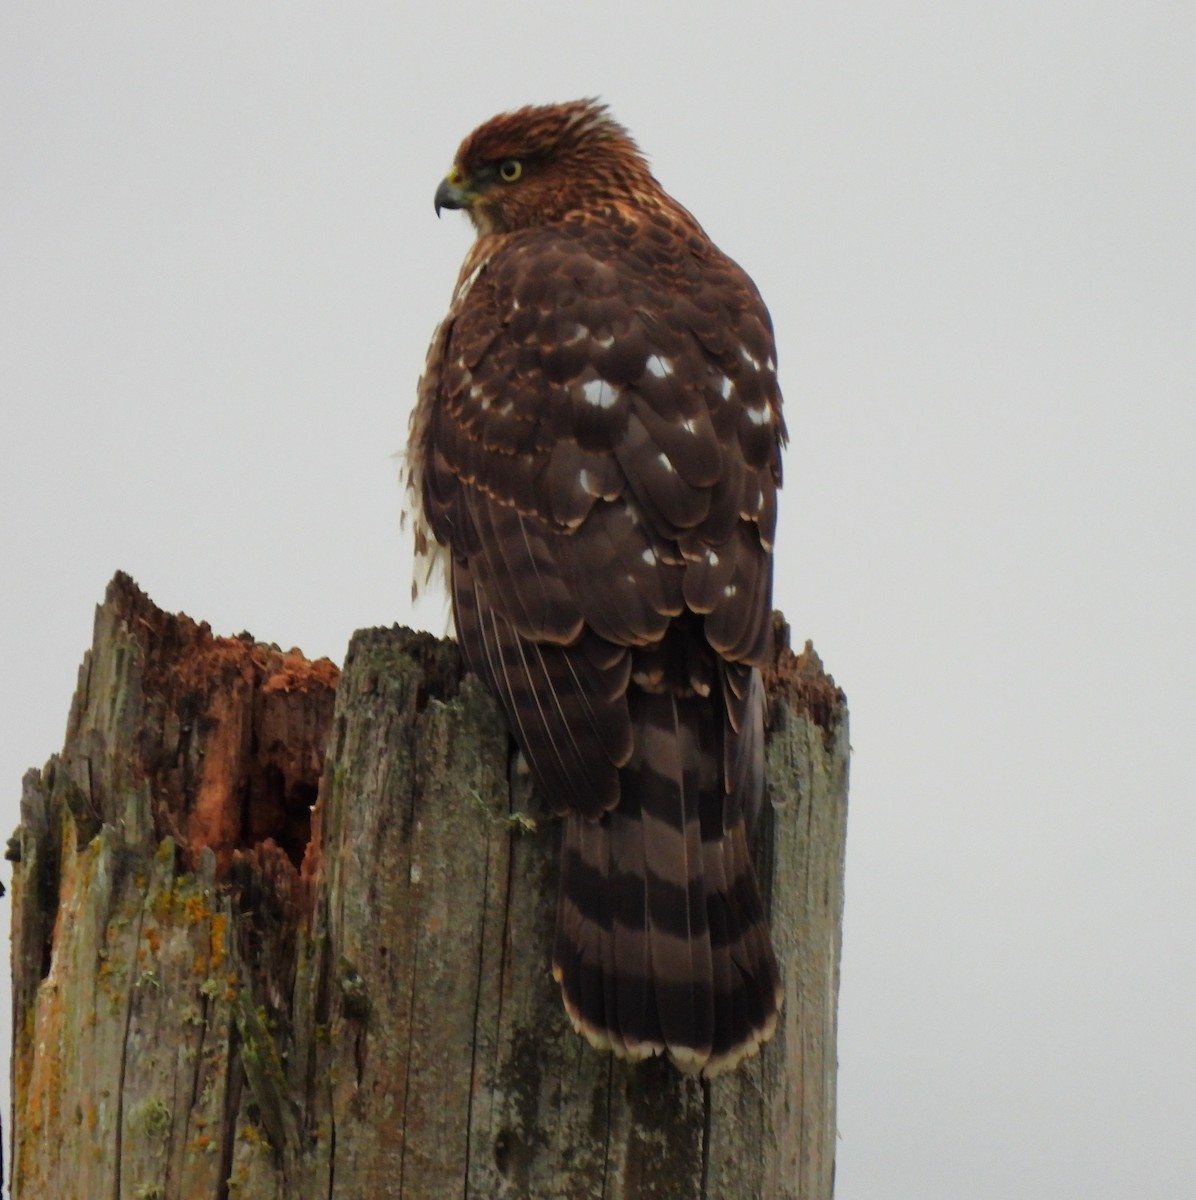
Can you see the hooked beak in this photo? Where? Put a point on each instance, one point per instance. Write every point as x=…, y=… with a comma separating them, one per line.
x=450, y=194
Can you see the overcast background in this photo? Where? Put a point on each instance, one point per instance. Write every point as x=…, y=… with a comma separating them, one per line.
x=974, y=225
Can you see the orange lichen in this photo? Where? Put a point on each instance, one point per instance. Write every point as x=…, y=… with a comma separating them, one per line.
x=216, y=939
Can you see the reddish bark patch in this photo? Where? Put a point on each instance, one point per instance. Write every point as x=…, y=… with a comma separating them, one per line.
x=802, y=681
x=232, y=736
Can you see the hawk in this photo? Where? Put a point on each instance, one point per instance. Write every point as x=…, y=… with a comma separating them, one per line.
x=596, y=451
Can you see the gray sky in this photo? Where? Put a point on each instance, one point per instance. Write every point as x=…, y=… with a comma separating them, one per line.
x=974, y=226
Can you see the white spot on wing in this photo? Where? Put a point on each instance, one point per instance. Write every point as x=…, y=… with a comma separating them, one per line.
x=649, y=556
x=760, y=416
x=663, y=459
x=689, y=425
x=599, y=393
x=660, y=367
x=749, y=358
x=726, y=388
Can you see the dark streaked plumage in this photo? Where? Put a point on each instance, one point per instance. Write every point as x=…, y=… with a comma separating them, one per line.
x=597, y=446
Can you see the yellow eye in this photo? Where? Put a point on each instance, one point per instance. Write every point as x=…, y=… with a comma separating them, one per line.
x=510, y=169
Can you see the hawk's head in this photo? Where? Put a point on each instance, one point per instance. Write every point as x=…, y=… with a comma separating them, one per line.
x=532, y=166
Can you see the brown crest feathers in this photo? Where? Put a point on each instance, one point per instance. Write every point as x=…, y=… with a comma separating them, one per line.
x=572, y=157
x=549, y=130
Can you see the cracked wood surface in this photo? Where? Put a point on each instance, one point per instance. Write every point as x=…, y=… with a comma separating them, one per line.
x=221, y=992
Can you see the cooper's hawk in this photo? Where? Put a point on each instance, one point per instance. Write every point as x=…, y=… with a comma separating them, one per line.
x=597, y=446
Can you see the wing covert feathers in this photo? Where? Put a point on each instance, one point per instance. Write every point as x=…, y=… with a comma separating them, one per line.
x=597, y=444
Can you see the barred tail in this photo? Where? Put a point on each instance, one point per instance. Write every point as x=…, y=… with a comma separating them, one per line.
x=662, y=944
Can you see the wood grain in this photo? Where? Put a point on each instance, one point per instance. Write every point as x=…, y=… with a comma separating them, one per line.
x=220, y=991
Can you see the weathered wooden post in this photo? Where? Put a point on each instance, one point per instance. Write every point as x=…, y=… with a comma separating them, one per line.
x=223, y=991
